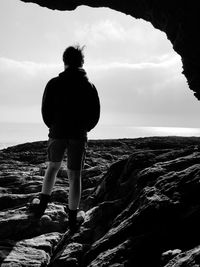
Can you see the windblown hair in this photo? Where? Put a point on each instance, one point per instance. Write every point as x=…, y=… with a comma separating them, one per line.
x=73, y=56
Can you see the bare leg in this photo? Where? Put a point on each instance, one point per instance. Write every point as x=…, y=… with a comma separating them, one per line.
x=50, y=177
x=74, y=177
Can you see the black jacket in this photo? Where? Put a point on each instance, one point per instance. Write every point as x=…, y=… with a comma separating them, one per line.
x=70, y=105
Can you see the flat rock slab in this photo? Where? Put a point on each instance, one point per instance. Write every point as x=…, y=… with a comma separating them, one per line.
x=19, y=223
x=28, y=252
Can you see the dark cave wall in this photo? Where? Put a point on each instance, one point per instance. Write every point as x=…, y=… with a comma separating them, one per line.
x=177, y=18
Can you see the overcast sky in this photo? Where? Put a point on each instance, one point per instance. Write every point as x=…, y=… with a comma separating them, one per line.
x=133, y=65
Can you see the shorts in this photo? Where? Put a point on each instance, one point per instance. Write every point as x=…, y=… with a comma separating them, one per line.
x=75, y=149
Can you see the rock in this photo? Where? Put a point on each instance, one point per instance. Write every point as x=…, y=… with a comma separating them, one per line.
x=9, y=200
x=142, y=210
x=188, y=258
x=18, y=223
x=28, y=252
x=60, y=194
x=45, y=220
x=168, y=255
x=71, y=256
x=111, y=256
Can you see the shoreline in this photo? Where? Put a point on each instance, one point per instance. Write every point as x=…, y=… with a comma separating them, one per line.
x=146, y=139
x=18, y=133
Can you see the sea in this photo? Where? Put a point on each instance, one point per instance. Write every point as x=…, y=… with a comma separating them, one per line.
x=17, y=133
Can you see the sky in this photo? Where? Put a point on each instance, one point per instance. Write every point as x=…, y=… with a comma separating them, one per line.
x=133, y=65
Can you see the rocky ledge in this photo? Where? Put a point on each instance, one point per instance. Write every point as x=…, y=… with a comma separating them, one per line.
x=141, y=198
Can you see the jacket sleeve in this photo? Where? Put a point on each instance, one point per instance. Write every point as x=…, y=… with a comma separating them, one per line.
x=94, y=108
x=47, y=104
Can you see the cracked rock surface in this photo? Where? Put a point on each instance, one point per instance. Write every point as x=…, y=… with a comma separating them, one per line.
x=141, y=198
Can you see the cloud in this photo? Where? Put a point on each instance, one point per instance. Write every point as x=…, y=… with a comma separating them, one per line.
x=132, y=64
x=134, y=41
x=20, y=114
x=28, y=67
x=140, y=94
x=23, y=82
x=146, y=94
x=164, y=62
x=105, y=30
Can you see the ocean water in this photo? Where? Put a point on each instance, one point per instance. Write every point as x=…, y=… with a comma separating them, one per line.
x=17, y=133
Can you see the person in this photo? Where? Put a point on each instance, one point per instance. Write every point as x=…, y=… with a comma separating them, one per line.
x=70, y=109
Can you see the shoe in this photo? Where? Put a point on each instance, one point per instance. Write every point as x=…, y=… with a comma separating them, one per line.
x=38, y=205
x=75, y=219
